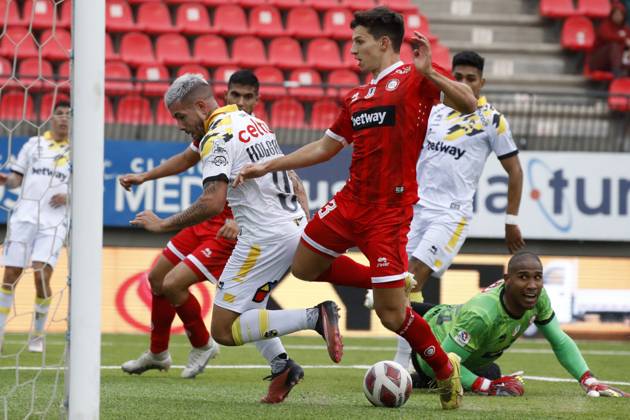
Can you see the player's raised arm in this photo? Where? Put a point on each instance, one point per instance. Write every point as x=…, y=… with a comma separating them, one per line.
x=172, y=166
x=460, y=96
x=513, y=237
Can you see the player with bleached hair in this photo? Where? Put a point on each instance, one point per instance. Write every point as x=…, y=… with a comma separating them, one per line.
x=270, y=220
x=38, y=224
x=481, y=329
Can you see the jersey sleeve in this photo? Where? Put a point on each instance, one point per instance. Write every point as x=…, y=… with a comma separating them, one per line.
x=217, y=151
x=194, y=146
x=341, y=130
x=469, y=332
x=565, y=349
x=20, y=164
x=544, y=311
x=501, y=139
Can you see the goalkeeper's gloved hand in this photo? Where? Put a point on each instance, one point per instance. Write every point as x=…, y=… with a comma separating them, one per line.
x=505, y=386
x=369, y=299
x=594, y=388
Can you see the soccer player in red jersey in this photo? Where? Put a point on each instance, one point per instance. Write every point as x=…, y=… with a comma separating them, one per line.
x=385, y=121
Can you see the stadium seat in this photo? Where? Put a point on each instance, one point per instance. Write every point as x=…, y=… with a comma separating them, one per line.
x=248, y=4
x=47, y=103
x=416, y=21
x=6, y=70
x=556, y=8
x=65, y=17
x=63, y=77
x=305, y=84
x=303, y=22
x=265, y=21
x=340, y=82
x=110, y=54
x=322, y=4
x=229, y=20
x=134, y=110
x=56, y=46
x=285, y=53
x=172, y=50
x=119, y=17
x=154, y=18
x=39, y=13
x=193, y=19
x=287, y=113
x=35, y=78
x=337, y=23
x=195, y=69
x=109, y=111
x=596, y=75
x=163, y=116
x=619, y=91
x=348, y=59
x=136, y=49
x=578, y=33
x=221, y=77
x=399, y=5
x=323, y=54
x=260, y=111
x=118, y=78
x=271, y=82
x=285, y=4
x=248, y=51
x=16, y=106
x=210, y=50
x=143, y=1
x=12, y=16
x=324, y=114
x=152, y=79
x=358, y=4
x=18, y=41
x=597, y=9
x=441, y=55
x=406, y=53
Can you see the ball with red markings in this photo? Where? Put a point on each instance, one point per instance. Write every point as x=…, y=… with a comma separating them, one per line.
x=387, y=384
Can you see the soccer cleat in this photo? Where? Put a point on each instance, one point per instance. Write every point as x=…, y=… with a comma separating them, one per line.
x=450, y=389
x=198, y=358
x=36, y=344
x=147, y=361
x=282, y=383
x=328, y=327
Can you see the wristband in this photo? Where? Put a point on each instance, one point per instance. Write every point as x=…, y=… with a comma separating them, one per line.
x=511, y=219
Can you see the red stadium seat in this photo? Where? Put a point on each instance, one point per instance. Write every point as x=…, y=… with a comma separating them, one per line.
x=287, y=113
x=323, y=54
x=399, y=5
x=65, y=17
x=136, y=49
x=34, y=77
x=56, y=46
x=248, y=4
x=118, y=16
x=16, y=106
x=206, y=2
x=143, y=1
x=260, y=112
x=211, y=50
x=596, y=75
x=594, y=8
x=109, y=111
x=265, y=21
x=118, y=78
x=416, y=21
x=248, y=51
x=619, y=91
x=305, y=84
x=406, y=53
x=193, y=19
x=285, y=4
x=285, y=53
x=441, y=55
x=154, y=18
x=6, y=70
x=18, y=41
x=110, y=54
x=271, y=82
x=40, y=13
x=163, y=116
x=578, y=33
x=152, y=79
x=348, y=59
x=195, y=69
x=47, y=103
x=324, y=114
x=135, y=110
x=229, y=19
x=172, y=50
x=340, y=82
x=13, y=18
x=556, y=8
x=337, y=23
x=63, y=76
x=221, y=77
x=358, y=4
x=303, y=22
x=322, y=4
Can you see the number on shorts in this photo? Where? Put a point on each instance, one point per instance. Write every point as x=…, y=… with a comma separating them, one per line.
x=287, y=197
x=327, y=209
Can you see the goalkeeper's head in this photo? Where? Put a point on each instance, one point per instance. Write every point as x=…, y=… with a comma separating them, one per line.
x=190, y=101
x=523, y=282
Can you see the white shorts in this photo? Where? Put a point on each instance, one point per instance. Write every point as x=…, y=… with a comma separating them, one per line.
x=253, y=271
x=26, y=243
x=436, y=236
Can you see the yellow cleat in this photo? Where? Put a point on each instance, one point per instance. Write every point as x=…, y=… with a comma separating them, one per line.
x=450, y=389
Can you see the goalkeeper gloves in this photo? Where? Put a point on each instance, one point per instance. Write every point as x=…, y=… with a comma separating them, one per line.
x=594, y=388
x=505, y=386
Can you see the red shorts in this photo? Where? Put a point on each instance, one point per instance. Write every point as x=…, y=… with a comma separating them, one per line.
x=204, y=254
x=379, y=232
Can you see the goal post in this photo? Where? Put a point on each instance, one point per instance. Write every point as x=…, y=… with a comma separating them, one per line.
x=86, y=237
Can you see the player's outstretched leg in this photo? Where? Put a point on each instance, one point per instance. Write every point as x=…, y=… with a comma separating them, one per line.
x=42, y=273
x=327, y=326
x=285, y=372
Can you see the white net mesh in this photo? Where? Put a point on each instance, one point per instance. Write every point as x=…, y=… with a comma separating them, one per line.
x=34, y=163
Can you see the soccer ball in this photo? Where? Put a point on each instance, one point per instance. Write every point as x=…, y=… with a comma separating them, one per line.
x=387, y=384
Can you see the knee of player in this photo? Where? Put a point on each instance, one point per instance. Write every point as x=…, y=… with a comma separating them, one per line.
x=156, y=281
x=302, y=273
x=170, y=284
x=392, y=318
x=11, y=276
x=223, y=335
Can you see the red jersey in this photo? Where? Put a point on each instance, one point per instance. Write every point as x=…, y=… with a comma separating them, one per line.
x=386, y=121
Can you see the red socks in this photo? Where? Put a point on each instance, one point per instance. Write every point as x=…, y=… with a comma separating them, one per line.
x=344, y=271
x=190, y=314
x=419, y=335
x=162, y=315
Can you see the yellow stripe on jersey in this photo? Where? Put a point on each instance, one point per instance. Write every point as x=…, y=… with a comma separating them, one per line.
x=249, y=263
x=217, y=112
x=456, y=235
x=236, y=332
x=229, y=298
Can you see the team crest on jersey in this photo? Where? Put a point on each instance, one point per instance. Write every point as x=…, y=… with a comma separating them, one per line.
x=371, y=92
x=462, y=338
x=392, y=85
x=354, y=97
x=404, y=70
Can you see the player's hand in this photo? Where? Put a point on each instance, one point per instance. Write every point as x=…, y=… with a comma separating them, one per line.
x=505, y=386
x=3, y=178
x=594, y=388
x=131, y=179
x=149, y=220
x=513, y=238
x=422, y=58
x=229, y=230
x=368, y=302
x=58, y=200
x=249, y=171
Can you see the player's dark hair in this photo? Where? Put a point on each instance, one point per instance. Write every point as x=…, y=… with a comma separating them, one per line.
x=61, y=104
x=381, y=21
x=519, y=257
x=245, y=78
x=469, y=58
